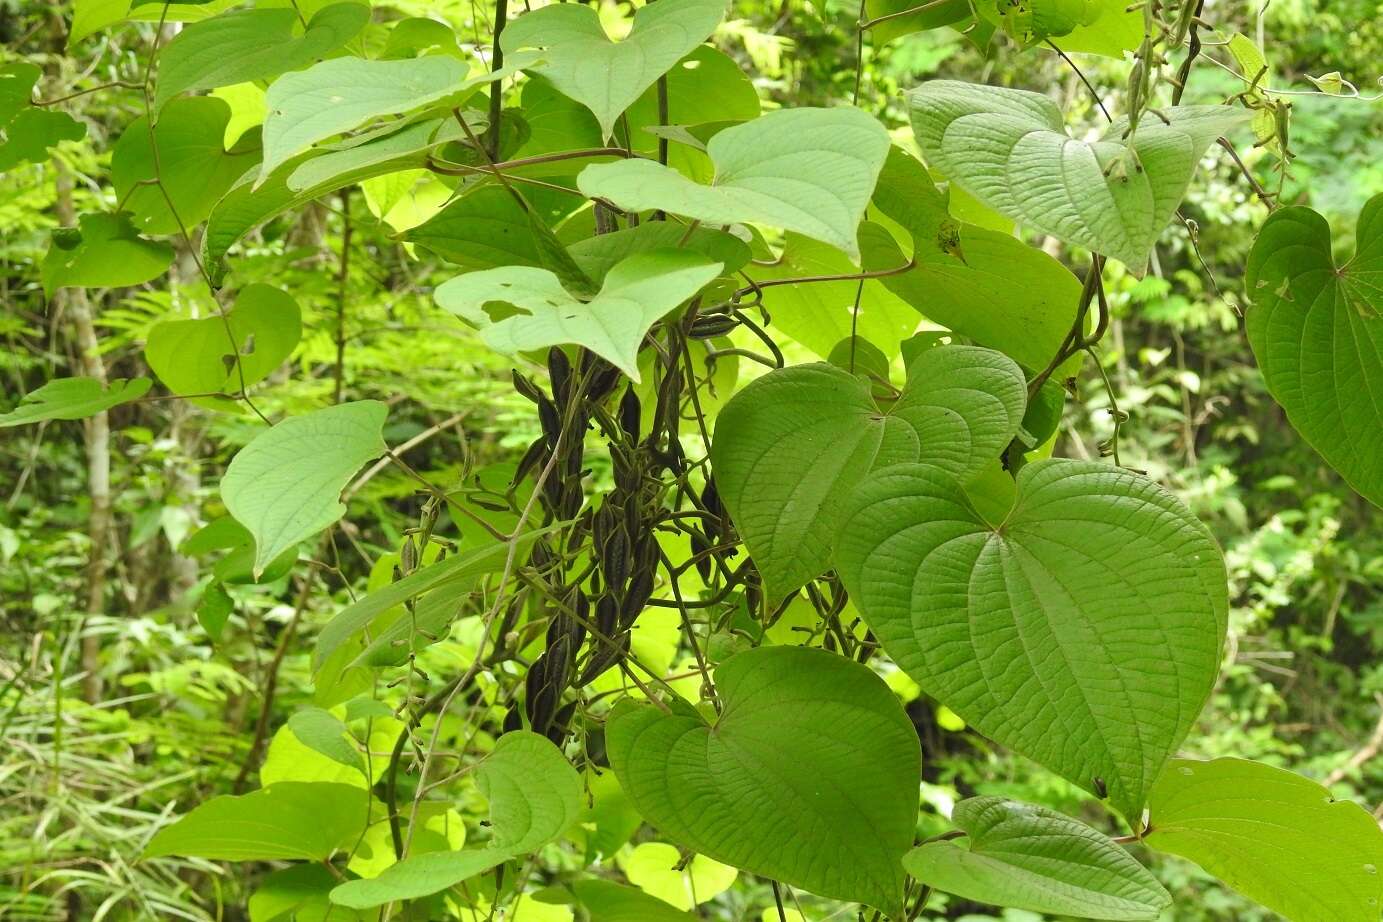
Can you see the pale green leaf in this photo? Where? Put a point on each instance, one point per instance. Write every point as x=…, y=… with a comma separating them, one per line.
x=607, y=77
x=1084, y=631
x=659, y=870
x=534, y=795
x=288, y=820
x=246, y=45
x=323, y=732
x=805, y=170
x=809, y=776
x=408, y=142
x=344, y=93
x=1272, y=835
x=1028, y=857
x=987, y=286
x=219, y=355
x=73, y=398
x=608, y=901
x=636, y=293
x=790, y=447
x=1010, y=149
x=1316, y=328
x=286, y=484
x=103, y=251
x=1117, y=28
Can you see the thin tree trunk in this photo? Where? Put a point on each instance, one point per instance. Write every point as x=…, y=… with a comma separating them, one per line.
x=77, y=309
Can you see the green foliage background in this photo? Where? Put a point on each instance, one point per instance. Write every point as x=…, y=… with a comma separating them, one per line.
x=93, y=763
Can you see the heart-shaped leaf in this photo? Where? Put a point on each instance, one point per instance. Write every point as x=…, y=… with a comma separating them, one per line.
x=604, y=76
x=1028, y=857
x=790, y=447
x=1084, y=631
x=1273, y=836
x=636, y=294
x=1009, y=148
x=809, y=776
x=534, y=795
x=200, y=356
x=244, y=45
x=805, y=170
x=73, y=398
x=1317, y=332
x=286, y=484
x=287, y=820
x=103, y=251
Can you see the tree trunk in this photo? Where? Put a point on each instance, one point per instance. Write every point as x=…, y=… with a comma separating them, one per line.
x=77, y=309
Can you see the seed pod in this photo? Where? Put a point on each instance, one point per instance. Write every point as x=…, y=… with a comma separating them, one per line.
x=606, y=615
x=614, y=557
x=550, y=421
x=557, y=732
x=512, y=719
x=703, y=563
x=630, y=412
x=711, y=326
x=559, y=371
x=530, y=460
x=526, y=387
x=635, y=598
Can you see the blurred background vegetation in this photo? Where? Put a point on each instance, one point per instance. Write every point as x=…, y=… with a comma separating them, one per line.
x=100, y=741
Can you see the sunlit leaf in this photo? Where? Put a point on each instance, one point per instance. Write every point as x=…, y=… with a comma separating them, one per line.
x=1274, y=836
x=286, y=485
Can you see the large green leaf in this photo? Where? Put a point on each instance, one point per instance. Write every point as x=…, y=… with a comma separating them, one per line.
x=820, y=314
x=534, y=795
x=1317, y=332
x=809, y=776
x=805, y=170
x=1273, y=836
x=789, y=448
x=103, y=251
x=200, y=356
x=323, y=732
x=984, y=285
x=636, y=293
x=245, y=45
x=607, y=77
x=192, y=165
x=1032, y=858
x=1010, y=149
x=343, y=93
x=27, y=131
x=73, y=398
x=287, y=820
x=286, y=484
x=1084, y=631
